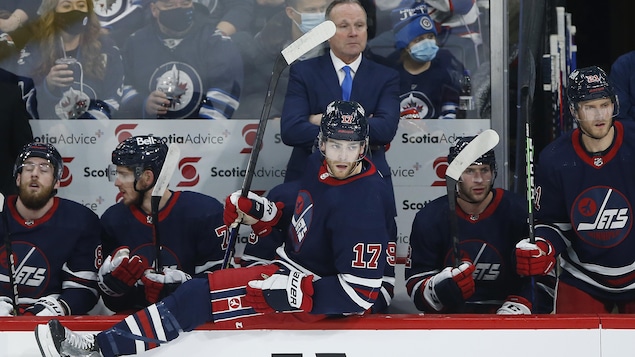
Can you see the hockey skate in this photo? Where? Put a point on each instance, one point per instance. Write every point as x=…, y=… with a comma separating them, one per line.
x=55, y=340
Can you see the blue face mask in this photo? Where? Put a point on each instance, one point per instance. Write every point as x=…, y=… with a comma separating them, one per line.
x=308, y=20
x=424, y=51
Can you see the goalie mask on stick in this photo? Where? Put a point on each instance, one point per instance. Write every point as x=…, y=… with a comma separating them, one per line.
x=139, y=153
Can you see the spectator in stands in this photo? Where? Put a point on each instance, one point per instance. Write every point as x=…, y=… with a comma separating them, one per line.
x=622, y=78
x=177, y=67
x=78, y=73
x=54, y=240
x=190, y=226
x=429, y=76
x=483, y=279
x=260, y=53
x=230, y=16
x=16, y=130
x=120, y=19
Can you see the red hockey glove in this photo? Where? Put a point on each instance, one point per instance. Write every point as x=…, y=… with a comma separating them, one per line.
x=256, y=211
x=159, y=285
x=515, y=305
x=120, y=272
x=449, y=288
x=286, y=290
x=534, y=259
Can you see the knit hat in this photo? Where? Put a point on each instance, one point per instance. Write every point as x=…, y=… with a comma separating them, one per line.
x=410, y=23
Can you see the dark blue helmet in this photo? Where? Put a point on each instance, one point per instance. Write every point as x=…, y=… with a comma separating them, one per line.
x=45, y=151
x=590, y=83
x=344, y=120
x=141, y=153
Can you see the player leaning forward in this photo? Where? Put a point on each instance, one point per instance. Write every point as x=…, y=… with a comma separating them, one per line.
x=584, y=205
x=330, y=264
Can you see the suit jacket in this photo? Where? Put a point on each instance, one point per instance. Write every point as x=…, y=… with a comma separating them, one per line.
x=313, y=84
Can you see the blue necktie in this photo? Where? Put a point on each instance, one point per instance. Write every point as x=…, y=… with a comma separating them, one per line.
x=347, y=83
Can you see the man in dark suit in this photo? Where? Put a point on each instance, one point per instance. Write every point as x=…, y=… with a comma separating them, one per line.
x=314, y=83
x=15, y=130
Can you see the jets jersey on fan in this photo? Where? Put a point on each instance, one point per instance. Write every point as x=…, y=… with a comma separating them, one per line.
x=584, y=207
x=192, y=234
x=487, y=239
x=57, y=255
x=202, y=73
x=434, y=94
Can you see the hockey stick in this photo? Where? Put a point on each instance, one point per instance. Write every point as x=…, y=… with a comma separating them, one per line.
x=481, y=144
x=288, y=55
x=10, y=259
x=169, y=165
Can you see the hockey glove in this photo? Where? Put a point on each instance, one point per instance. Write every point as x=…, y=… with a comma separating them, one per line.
x=159, y=285
x=286, y=290
x=256, y=211
x=534, y=259
x=6, y=306
x=515, y=305
x=449, y=288
x=119, y=273
x=48, y=306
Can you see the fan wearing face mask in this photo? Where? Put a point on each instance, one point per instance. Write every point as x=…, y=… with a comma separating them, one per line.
x=77, y=71
x=429, y=76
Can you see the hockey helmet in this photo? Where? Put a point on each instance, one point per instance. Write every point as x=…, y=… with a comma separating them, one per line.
x=590, y=83
x=489, y=158
x=344, y=120
x=45, y=151
x=140, y=153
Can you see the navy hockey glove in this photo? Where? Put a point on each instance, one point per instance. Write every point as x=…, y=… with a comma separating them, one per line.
x=515, y=305
x=449, y=288
x=120, y=272
x=159, y=285
x=256, y=211
x=534, y=259
x=48, y=306
x=286, y=290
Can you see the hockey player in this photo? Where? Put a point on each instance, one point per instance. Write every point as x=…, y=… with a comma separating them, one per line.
x=584, y=204
x=490, y=223
x=330, y=263
x=177, y=67
x=190, y=225
x=54, y=241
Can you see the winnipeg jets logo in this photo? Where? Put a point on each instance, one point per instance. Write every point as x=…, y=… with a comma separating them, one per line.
x=419, y=101
x=601, y=216
x=107, y=10
x=182, y=84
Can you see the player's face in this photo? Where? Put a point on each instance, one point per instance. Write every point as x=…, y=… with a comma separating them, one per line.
x=595, y=117
x=125, y=183
x=36, y=182
x=351, y=36
x=342, y=157
x=475, y=183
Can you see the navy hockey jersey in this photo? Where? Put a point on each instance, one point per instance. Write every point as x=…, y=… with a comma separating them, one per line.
x=584, y=207
x=192, y=236
x=56, y=255
x=487, y=239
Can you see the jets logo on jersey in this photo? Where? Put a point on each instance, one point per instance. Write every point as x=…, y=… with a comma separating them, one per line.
x=31, y=271
x=601, y=216
x=182, y=85
x=420, y=102
x=485, y=257
x=302, y=217
x=108, y=10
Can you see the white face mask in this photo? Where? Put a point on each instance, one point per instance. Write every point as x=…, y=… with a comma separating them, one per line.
x=308, y=20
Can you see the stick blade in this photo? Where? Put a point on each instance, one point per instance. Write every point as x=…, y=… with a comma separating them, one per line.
x=1, y=202
x=171, y=161
x=481, y=144
x=308, y=41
